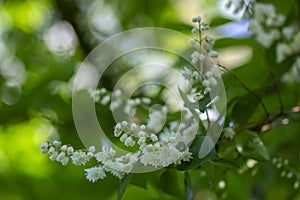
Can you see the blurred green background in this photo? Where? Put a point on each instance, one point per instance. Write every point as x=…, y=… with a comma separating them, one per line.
x=42, y=43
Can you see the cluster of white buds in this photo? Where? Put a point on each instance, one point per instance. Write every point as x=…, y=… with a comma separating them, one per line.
x=159, y=145
x=286, y=170
x=116, y=100
x=265, y=24
x=100, y=96
x=267, y=27
x=132, y=104
x=209, y=41
x=241, y=6
x=191, y=75
x=128, y=132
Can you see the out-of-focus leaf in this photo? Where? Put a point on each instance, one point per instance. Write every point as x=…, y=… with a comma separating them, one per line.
x=203, y=102
x=139, y=180
x=223, y=162
x=244, y=109
x=218, y=21
x=228, y=150
x=169, y=183
x=225, y=42
x=250, y=145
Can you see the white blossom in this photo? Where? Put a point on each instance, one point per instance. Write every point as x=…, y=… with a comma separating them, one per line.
x=44, y=147
x=70, y=150
x=129, y=142
x=79, y=158
x=107, y=153
x=156, y=119
x=95, y=173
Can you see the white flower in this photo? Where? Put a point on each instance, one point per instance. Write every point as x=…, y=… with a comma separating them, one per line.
x=295, y=45
x=95, y=173
x=123, y=137
x=283, y=50
x=117, y=169
x=51, y=150
x=129, y=142
x=154, y=138
x=56, y=143
x=186, y=155
x=107, y=153
x=64, y=148
x=79, y=158
x=296, y=185
x=161, y=157
x=44, y=148
x=53, y=155
x=70, y=150
x=156, y=120
x=92, y=149
x=104, y=101
x=213, y=54
x=229, y=133
x=288, y=32
x=61, y=156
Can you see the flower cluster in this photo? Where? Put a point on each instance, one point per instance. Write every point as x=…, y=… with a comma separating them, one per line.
x=209, y=41
x=100, y=96
x=160, y=142
x=241, y=6
x=265, y=24
x=286, y=170
x=268, y=28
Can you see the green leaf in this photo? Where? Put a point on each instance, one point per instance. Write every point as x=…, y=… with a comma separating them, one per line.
x=140, y=180
x=218, y=21
x=196, y=161
x=223, y=162
x=228, y=150
x=244, y=108
x=169, y=182
x=123, y=185
x=225, y=42
x=202, y=104
x=251, y=145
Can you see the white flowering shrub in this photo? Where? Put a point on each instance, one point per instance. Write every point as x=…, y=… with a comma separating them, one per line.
x=186, y=142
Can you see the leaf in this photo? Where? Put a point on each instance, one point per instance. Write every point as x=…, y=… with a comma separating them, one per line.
x=202, y=104
x=218, y=21
x=123, y=185
x=225, y=42
x=228, y=150
x=244, y=109
x=251, y=146
x=188, y=186
x=196, y=161
x=224, y=162
x=169, y=182
x=140, y=180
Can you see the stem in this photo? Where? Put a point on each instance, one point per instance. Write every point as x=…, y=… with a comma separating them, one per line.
x=188, y=186
x=250, y=91
x=276, y=89
x=200, y=34
x=207, y=118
